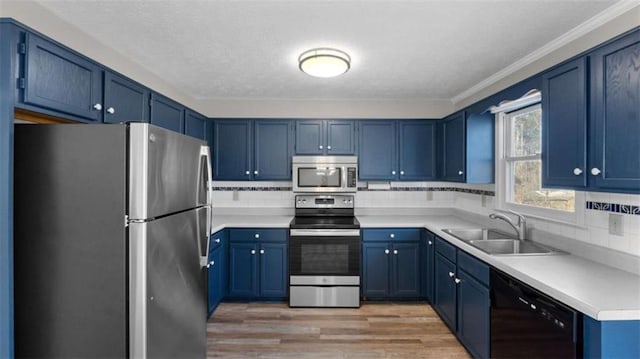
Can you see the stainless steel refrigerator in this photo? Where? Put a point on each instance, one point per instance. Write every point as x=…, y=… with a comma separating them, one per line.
x=111, y=232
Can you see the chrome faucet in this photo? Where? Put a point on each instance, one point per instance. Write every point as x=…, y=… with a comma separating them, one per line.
x=521, y=227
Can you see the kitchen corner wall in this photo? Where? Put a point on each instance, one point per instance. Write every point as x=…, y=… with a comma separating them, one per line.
x=476, y=199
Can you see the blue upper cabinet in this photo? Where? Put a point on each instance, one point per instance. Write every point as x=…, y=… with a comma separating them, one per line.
x=252, y=150
x=417, y=147
x=124, y=100
x=325, y=137
x=272, y=150
x=167, y=113
x=377, y=145
x=564, y=126
x=614, y=155
x=232, y=154
x=195, y=125
x=58, y=80
x=453, y=144
x=467, y=148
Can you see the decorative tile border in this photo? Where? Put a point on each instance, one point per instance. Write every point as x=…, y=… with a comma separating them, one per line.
x=614, y=207
x=252, y=189
x=365, y=189
x=433, y=189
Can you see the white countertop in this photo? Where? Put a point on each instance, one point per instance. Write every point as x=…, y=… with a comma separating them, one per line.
x=597, y=290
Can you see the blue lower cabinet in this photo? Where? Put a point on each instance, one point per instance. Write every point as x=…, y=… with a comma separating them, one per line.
x=461, y=297
x=218, y=276
x=473, y=315
x=428, y=253
x=375, y=270
x=445, y=296
x=391, y=263
x=258, y=264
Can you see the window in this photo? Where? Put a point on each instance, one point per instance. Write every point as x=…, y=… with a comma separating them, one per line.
x=519, y=175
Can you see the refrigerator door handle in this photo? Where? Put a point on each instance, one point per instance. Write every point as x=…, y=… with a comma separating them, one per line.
x=205, y=153
x=204, y=257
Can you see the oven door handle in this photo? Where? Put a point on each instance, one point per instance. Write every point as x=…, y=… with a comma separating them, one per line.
x=324, y=232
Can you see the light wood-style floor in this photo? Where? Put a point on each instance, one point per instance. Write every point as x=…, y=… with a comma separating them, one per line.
x=375, y=330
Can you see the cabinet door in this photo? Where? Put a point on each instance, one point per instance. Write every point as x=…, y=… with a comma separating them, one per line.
x=473, y=315
x=428, y=247
x=445, y=290
x=405, y=273
x=417, y=150
x=273, y=147
x=166, y=113
x=195, y=125
x=377, y=150
x=243, y=270
x=216, y=272
x=615, y=116
x=375, y=269
x=309, y=137
x=124, y=100
x=453, y=160
x=564, y=126
x=232, y=150
x=340, y=136
x=59, y=80
x=274, y=276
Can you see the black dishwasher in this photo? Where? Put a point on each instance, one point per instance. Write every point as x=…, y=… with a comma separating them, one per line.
x=528, y=324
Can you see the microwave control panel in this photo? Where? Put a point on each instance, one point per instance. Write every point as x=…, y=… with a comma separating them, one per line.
x=352, y=177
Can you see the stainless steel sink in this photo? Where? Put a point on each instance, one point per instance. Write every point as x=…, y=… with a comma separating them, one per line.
x=512, y=247
x=495, y=242
x=478, y=234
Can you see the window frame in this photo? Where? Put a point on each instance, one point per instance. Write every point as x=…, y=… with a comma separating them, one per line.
x=504, y=177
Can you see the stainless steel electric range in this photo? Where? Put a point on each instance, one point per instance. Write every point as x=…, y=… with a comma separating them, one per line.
x=324, y=252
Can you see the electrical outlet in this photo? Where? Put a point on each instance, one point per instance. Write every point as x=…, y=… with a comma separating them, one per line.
x=616, y=224
x=483, y=201
x=429, y=195
x=235, y=195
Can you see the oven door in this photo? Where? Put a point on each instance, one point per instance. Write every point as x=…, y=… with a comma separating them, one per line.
x=324, y=252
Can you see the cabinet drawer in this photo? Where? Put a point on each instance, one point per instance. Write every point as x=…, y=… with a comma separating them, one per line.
x=446, y=249
x=474, y=267
x=258, y=234
x=391, y=234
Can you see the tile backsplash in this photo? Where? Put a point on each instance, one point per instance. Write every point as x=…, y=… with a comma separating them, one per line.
x=593, y=228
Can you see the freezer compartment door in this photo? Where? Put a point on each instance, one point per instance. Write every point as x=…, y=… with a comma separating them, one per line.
x=167, y=287
x=169, y=172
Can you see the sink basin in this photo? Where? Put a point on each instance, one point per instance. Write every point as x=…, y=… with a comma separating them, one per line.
x=512, y=247
x=478, y=234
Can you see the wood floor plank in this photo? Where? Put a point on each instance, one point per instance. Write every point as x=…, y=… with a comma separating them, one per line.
x=375, y=330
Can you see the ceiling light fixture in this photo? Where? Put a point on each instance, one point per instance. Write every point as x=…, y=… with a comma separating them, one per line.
x=324, y=62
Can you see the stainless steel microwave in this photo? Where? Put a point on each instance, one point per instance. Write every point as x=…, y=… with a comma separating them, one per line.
x=325, y=173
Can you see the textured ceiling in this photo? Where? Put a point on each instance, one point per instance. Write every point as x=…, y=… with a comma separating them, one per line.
x=399, y=49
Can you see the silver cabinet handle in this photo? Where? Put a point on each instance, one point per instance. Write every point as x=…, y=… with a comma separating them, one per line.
x=392, y=235
x=577, y=171
x=320, y=147
x=255, y=173
x=211, y=263
x=253, y=251
x=247, y=173
x=393, y=173
x=460, y=173
x=111, y=110
x=97, y=107
x=395, y=251
x=262, y=251
x=401, y=173
x=430, y=243
x=451, y=274
x=328, y=147
x=595, y=171
x=457, y=280
x=386, y=251
x=217, y=240
x=257, y=235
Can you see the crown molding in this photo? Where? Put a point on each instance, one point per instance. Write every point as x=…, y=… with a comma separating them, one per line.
x=598, y=20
